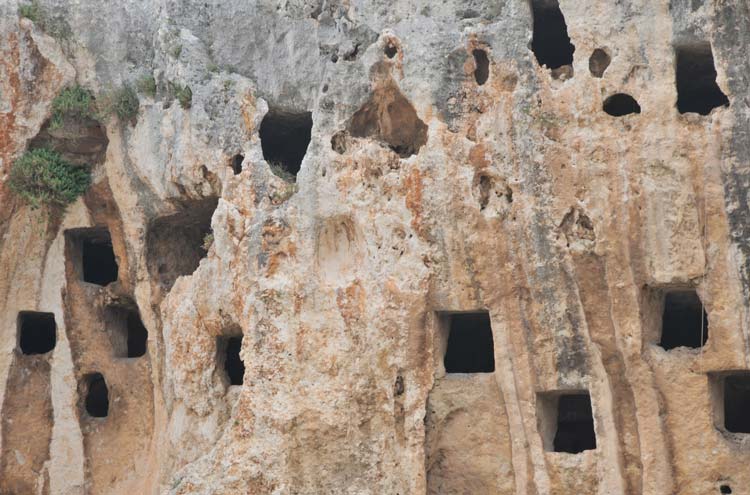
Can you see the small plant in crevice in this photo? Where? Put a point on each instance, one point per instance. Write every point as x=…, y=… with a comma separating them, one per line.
x=177, y=51
x=147, y=85
x=279, y=171
x=122, y=102
x=74, y=103
x=183, y=94
x=208, y=241
x=54, y=26
x=41, y=177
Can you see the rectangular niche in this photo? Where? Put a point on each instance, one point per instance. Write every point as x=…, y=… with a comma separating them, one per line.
x=90, y=250
x=228, y=359
x=37, y=332
x=127, y=332
x=467, y=343
x=675, y=317
x=566, y=421
x=730, y=395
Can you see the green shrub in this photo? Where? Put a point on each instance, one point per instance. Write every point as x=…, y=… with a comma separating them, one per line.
x=42, y=177
x=208, y=241
x=279, y=171
x=147, y=85
x=75, y=103
x=122, y=102
x=183, y=94
x=30, y=11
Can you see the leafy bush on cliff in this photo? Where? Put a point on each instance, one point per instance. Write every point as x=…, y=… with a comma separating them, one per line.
x=42, y=177
x=73, y=102
x=122, y=102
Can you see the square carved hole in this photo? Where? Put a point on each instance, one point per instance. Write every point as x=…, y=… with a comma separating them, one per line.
x=37, y=332
x=732, y=402
x=684, y=322
x=229, y=360
x=566, y=421
x=176, y=244
x=126, y=330
x=90, y=250
x=470, y=346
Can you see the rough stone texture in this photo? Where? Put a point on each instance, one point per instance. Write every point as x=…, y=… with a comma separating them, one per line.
x=421, y=192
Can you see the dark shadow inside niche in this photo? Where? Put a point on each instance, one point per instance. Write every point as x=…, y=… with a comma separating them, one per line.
x=175, y=243
x=621, y=104
x=737, y=403
x=482, y=62
x=390, y=50
x=725, y=489
x=598, y=62
x=228, y=357
x=566, y=421
x=91, y=252
x=127, y=332
x=97, y=396
x=237, y=164
x=695, y=74
x=284, y=137
x=684, y=321
x=550, y=43
x=79, y=141
x=389, y=117
x=37, y=332
x=470, y=345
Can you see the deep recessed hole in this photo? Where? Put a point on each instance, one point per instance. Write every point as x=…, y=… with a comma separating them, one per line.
x=470, y=345
x=128, y=334
x=482, y=71
x=695, y=73
x=598, y=62
x=390, y=50
x=684, y=321
x=176, y=243
x=566, y=421
x=97, y=396
x=551, y=43
x=90, y=250
x=284, y=137
x=237, y=164
x=36, y=332
x=621, y=104
x=229, y=358
x=389, y=117
x=725, y=489
x=737, y=403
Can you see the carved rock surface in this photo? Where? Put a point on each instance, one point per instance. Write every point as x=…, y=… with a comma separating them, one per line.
x=447, y=172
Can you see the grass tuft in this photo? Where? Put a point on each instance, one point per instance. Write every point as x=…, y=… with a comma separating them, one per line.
x=41, y=177
x=74, y=103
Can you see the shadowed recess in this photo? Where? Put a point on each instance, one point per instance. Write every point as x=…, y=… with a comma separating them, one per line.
x=684, y=320
x=575, y=424
x=621, y=104
x=37, y=332
x=482, y=71
x=737, y=403
x=284, y=137
x=229, y=358
x=550, y=43
x=695, y=74
x=97, y=396
x=470, y=345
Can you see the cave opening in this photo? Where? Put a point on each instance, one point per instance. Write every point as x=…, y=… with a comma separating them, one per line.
x=37, y=332
x=284, y=137
x=684, y=320
x=695, y=75
x=390, y=50
x=621, y=104
x=229, y=357
x=93, y=257
x=127, y=332
x=470, y=345
x=598, y=62
x=575, y=424
x=482, y=63
x=97, y=396
x=550, y=42
x=237, y=164
x=725, y=489
x=176, y=243
x=737, y=403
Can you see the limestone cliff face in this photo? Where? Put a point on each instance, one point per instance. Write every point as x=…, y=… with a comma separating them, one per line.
x=468, y=174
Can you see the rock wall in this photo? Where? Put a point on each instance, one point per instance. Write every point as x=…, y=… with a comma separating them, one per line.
x=464, y=157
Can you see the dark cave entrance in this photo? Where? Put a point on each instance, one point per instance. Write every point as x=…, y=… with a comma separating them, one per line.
x=684, y=321
x=470, y=345
x=695, y=74
x=37, y=332
x=97, y=396
x=284, y=137
x=621, y=104
x=550, y=43
x=229, y=358
x=737, y=403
